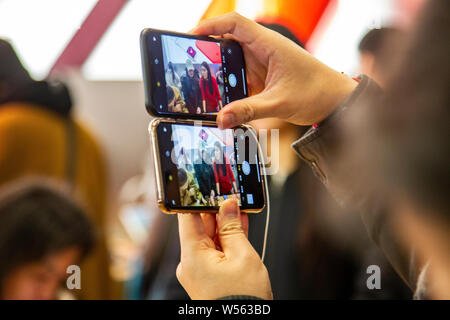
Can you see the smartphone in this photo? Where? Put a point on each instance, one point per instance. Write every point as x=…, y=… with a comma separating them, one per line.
x=198, y=166
x=190, y=77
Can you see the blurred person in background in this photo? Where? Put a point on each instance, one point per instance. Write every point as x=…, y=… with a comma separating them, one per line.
x=378, y=50
x=400, y=186
x=38, y=136
x=43, y=231
x=378, y=55
x=410, y=129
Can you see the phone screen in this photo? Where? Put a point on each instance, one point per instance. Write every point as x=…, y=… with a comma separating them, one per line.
x=203, y=166
x=189, y=76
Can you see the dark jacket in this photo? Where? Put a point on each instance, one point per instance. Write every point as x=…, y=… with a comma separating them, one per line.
x=205, y=177
x=191, y=92
x=321, y=146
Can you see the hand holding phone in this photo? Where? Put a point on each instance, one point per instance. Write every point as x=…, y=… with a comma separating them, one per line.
x=285, y=79
x=230, y=266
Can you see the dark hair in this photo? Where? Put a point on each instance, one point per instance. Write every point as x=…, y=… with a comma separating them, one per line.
x=208, y=70
x=170, y=93
x=170, y=66
x=182, y=176
x=38, y=219
x=11, y=69
x=221, y=166
x=382, y=44
x=374, y=40
x=412, y=125
x=16, y=85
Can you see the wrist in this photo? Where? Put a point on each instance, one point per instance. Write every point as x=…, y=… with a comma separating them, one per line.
x=331, y=90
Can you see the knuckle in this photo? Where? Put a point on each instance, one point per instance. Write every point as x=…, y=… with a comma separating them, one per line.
x=248, y=112
x=235, y=16
x=231, y=228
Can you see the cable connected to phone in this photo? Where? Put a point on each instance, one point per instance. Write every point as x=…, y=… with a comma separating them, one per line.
x=266, y=190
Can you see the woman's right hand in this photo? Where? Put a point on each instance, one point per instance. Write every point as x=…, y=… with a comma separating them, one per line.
x=284, y=80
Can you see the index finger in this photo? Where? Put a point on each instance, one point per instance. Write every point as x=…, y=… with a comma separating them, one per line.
x=242, y=29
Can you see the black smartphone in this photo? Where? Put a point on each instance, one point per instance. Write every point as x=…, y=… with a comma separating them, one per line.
x=190, y=77
x=198, y=166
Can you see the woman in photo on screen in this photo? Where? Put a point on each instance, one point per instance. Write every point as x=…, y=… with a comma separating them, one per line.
x=172, y=78
x=225, y=182
x=211, y=99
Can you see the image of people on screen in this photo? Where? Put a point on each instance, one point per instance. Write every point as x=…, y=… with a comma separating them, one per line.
x=192, y=67
x=206, y=167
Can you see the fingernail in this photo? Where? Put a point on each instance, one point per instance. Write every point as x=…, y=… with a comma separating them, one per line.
x=231, y=209
x=227, y=121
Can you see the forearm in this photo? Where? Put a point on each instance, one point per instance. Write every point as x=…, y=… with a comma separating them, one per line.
x=328, y=149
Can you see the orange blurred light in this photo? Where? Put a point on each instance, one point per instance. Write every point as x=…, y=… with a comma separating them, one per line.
x=300, y=16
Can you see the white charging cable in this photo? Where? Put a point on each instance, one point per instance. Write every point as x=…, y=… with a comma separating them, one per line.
x=266, y=190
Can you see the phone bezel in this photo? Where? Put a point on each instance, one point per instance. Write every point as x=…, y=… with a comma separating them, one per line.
x=158, y=169
x=149, y=105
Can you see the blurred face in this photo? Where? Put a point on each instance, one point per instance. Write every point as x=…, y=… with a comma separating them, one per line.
x=40, y=280
x=191, y=73
x=204, y=73
x=367, y=63
x=368, y=67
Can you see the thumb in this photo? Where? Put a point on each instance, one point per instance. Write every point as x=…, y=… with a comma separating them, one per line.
x=245, y=110
x=229, y=229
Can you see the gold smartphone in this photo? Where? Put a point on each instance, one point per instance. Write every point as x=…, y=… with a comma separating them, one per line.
x=198, y=166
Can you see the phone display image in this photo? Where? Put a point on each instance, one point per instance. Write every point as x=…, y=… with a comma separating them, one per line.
x=207, y=171
x=201, y=166
x=188, y=76
x=193, y=74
